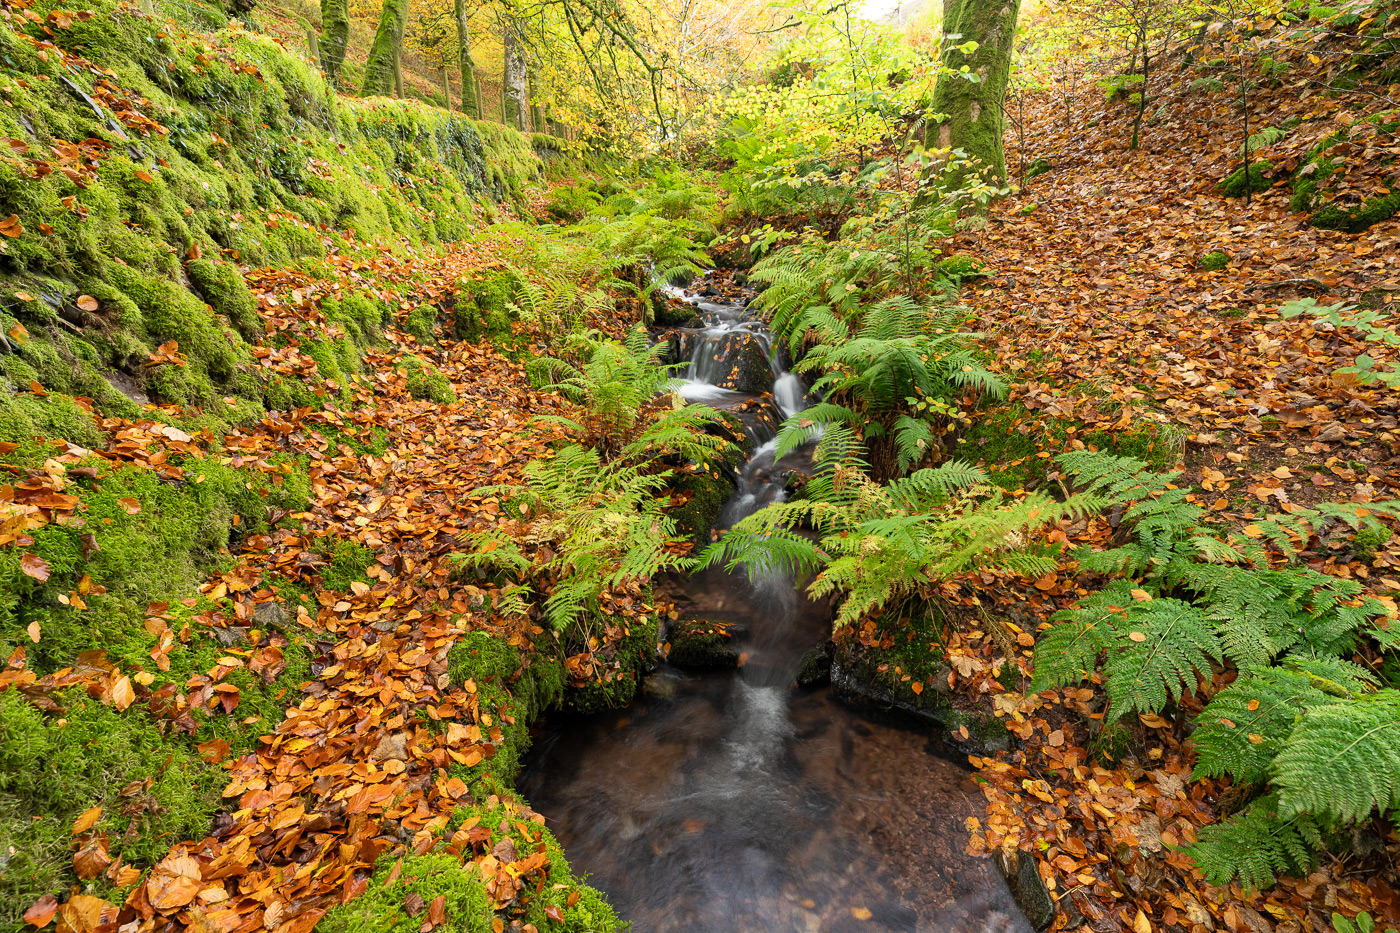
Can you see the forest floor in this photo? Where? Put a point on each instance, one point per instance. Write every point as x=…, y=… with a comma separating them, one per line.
x=1098, y=309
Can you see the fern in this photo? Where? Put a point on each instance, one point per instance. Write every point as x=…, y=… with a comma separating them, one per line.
x=1343, y=759
x=880, y=545
x=1256, y=846
x=1244, y=727
x=590, y=527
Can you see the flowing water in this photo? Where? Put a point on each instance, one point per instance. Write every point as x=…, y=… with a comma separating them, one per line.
x=733, y=801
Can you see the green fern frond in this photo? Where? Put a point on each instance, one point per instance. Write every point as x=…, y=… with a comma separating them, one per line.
x=1245, y=726
x=1343, y=759
x=1256, y=846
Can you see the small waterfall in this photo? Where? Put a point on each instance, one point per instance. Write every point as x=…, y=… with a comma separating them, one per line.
x=731, y=355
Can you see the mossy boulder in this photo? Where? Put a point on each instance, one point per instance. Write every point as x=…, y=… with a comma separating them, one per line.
x=1370, y=212
x=699, y=644
x=404, y=885
x=55, y=765
x=1215, y=260
x=221, y=285
x=484, y=306
x=1247, y=180
x=425, y=382
x=624, y=665
x=673, y=312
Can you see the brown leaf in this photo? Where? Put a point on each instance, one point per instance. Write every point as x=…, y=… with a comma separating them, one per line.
x=84, y=914
x=122, y=693
x=87, y=302
x=34, y=566
x=413, y=904
x=213, y=751
x=92, y=859
x=41, y=911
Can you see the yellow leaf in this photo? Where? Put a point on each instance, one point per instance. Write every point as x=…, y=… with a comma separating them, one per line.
x=87, y=820
x=861, y=913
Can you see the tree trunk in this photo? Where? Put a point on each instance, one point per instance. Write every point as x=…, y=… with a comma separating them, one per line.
x=471, y=100
x=335, y=37
x=381, y=68
x=971, y=111
x=514, y=95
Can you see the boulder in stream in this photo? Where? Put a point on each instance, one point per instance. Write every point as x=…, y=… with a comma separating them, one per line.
x=815, y=669
x=699, y=644
x=859, y=681
x=1027, y=888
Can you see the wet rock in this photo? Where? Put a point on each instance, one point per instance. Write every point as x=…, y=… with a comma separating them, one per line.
x=672, y=313
x=1027, y=889
x=859, y=682
x=701, y=644
x=661, y=685
x=227, y=637
x=815, y=669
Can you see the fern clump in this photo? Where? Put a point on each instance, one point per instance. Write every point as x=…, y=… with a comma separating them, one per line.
x=1301, y=719
x=631, y=407
x=882, y=544
x=585, y=527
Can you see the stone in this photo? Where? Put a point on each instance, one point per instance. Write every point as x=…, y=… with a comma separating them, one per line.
x=815, y=669
x=1026, y=887
x=701, y=644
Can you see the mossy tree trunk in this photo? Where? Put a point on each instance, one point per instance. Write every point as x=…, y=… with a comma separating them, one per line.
x=969, y=100
x=381, y=69
x=471, y=101
x=514, y=93
x=335, y=37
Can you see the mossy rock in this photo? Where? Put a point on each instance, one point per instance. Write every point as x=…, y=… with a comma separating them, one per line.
x=404, y=885
x=672, y=312
x=1039, y=166
x=958, y=268
x=1357, y=219
x=701, y=645
x=424, y=380
x=221, y=285
x=1244, y=181
x=1215, y=261
x=514, y=687
x=484, y=306
x=632, y=658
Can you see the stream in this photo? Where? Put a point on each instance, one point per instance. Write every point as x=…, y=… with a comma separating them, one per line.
x=735, y=801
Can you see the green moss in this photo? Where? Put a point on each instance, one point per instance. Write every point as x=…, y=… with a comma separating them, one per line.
x=348, y=563
x=1354, y=220
x=362, y=317
x=1215, y=261
x=483, y=306
x=958, y=269
x=383, y=908
x=56, y=765
x=1242, y=181
x=24, y=416
x=159, y=554
x=636, y=655
x=1369, y=540
x=424, y=380
x=421, y=323
x=222, y=286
